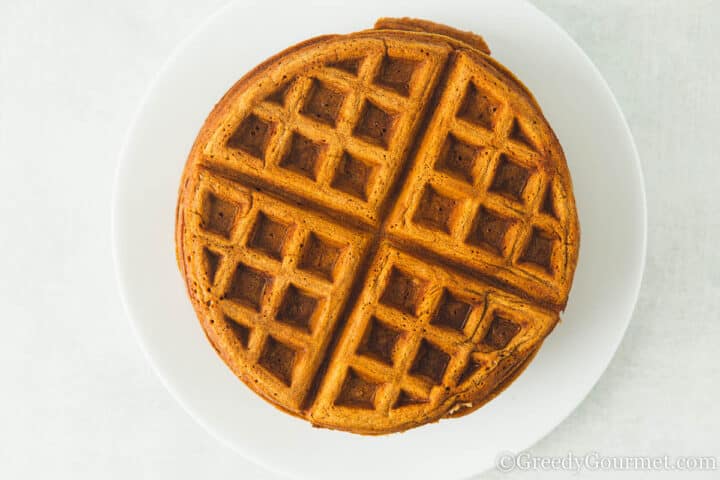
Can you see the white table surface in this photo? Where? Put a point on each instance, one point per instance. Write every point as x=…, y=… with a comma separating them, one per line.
x=78, y=399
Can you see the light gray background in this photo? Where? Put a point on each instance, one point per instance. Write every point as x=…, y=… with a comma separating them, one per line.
x=78, y=400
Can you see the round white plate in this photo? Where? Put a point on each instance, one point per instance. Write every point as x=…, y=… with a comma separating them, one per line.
x=610, y=199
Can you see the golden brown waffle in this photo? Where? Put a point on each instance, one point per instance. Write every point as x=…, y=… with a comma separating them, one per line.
x=378, y=230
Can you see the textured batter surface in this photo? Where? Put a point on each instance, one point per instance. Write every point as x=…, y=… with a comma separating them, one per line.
x=377, y=230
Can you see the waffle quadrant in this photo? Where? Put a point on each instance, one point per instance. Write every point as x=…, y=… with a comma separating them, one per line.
x=377, y=230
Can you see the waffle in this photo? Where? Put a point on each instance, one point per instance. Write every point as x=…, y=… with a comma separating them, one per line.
x=377, y=230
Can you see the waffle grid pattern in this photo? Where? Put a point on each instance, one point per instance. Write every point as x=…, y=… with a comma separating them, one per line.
x=480, y=189
x=276, y=278
x=274, y=271
x=339, y=131
x=418, y=333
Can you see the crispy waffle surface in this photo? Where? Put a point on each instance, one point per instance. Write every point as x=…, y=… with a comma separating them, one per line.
x=378, y=230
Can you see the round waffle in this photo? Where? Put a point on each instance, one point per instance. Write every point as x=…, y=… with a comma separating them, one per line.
x=377, y=230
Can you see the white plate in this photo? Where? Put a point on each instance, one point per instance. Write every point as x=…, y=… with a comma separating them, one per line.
x=610, y=199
